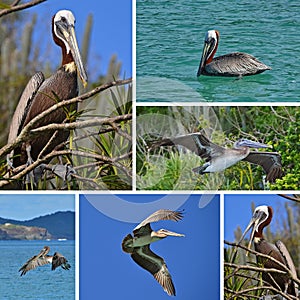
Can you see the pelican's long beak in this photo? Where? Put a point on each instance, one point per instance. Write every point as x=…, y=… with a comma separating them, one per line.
x=205, y=52
x=252, y=224
x=171, y=233
x=252, y=144
x=68, y=32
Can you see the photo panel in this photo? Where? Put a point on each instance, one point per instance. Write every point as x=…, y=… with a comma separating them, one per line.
x=66, y=95
x=217, y=147
x=37, y=245
x=259, y=230
x=110, y=266
x=190, y=45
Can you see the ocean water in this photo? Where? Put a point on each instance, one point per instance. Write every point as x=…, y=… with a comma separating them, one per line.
x=170, y=36
x=41, y=283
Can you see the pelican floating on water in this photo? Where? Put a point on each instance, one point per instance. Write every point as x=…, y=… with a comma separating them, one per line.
x=261, y=218
x=139, y=247
x=41, y=94
x=230, y=65
x=43, y=259
x=219, y=158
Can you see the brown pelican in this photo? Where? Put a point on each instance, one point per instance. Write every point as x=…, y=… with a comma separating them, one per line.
x=230, y=65
x=219, y=158
x=41, y=94
x=261, y=218
x=139, y=247
x=42, y=259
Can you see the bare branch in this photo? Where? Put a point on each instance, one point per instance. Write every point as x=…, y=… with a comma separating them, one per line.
x=15, y=7
x=295, y=198
x=83, y=124
x=267, y=257
x=25, y=133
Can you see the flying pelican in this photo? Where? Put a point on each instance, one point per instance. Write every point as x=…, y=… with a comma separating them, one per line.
x=139, y=247
x=42, y=259
x=229, y=65
x=261, y=218
x=41, y=94
x=219, y=158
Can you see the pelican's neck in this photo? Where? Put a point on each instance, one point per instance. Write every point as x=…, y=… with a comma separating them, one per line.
x=67, y=57
x=211, y=55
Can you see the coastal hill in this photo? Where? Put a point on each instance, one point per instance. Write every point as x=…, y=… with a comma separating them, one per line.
x=59, y=225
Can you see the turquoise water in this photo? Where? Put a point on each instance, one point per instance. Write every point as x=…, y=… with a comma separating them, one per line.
x=170, y=37
x=41, y=283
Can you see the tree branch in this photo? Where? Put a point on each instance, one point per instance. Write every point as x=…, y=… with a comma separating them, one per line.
x=15, y=7
x=83, y=124
x=295, y=198
x=25, y=133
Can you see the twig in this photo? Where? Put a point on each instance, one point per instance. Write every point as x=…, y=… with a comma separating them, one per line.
x=83, y=124
x=15, y=7
x=295, y=198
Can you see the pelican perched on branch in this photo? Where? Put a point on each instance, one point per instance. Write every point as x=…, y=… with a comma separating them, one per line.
x=139, y=247
x=41, y=94
x=230, y=65
x=261, y=218
x=42, y=259
x=219, y=158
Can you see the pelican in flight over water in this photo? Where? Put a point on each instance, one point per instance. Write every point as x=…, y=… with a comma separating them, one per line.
x=235, y=64
x=43, y=259
x=139, y=247
x=219, y=158
x=261, y=218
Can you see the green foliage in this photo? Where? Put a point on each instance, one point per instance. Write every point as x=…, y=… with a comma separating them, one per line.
x=235, y=282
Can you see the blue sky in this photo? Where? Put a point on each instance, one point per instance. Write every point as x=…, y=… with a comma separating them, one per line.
x=28, y=206
x=109, y=273
x=111, y=31
x=237, y=211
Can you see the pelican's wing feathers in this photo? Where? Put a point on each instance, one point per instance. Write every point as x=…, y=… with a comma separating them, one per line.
x=35, y=261
x=288, y=261
x=195, y=142
x=236, y=64
x=24, y=104
x=162, y=214
x=60, y=260
x=156, y=265
x=270, y=161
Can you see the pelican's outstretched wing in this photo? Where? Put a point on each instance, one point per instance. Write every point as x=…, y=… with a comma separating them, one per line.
x=36, y=261
x=60, y=260
x=195, y=142
x=156, y=265
x=270, y=161
x=288, y=262
x=162, y=214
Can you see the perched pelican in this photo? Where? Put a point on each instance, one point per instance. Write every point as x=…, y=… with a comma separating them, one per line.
x=261, y=218
x=40, y=94
x=219, y=158
x=230, y=65
x=139, y=247
x=42, y=259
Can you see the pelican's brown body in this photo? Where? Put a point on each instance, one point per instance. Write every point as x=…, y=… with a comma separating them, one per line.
x=40, y=94
x=139, y=247
x=261, y=218
x=219, y=158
